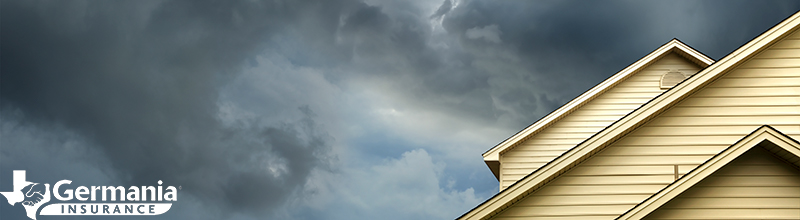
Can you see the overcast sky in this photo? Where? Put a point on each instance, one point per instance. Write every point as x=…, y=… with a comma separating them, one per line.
x=329, y=109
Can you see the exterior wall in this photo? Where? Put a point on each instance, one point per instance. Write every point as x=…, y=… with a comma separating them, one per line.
x=763, y=90
x=757, y=185
x=589, y=119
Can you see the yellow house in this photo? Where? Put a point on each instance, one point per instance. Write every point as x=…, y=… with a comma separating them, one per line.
x=676, y=135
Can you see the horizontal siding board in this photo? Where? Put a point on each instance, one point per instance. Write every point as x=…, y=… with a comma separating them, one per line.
x=565, y=133
x=631, y=95
x=766, y=167
x=677, y=140
x=772, y=63
x=576, y=200
x=625, y=108
x=603, y=118
x=539, y=211
x=636, y=89
x=729, y=214
x=653, y=78
x=622, y=170
x=661, y=69
x=727, y=120
x=794, y=35
x=647, y=83
x=520, y=165
x=757, y=180
x=599, y=124
x=726, y=202
x=563, y=147
x=764, y=72
x=511, y=178
x=580, y=129
x=741, y=101
x=568, y=141
x=615, y=180
x=748, y=92
x=737, y=111
x=785, y=53
x=646, y=160
x=662, y=150
x=600, y=190
x=746, y=191
x=653, y=130
x=598, y=112
x=519, y=171
x=788, y=43
x=761, y=82
x=622, y=101
x=648, y=74
x=529, y=159
x=534, y=153
x=754, y=171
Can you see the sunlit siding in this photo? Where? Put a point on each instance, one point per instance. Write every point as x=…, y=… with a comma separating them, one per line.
x=763, y=90
x=589, y=119
x=756, y=185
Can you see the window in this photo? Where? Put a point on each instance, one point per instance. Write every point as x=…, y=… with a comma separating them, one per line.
x=671, y=78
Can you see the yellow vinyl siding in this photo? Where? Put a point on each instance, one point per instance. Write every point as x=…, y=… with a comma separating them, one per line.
x=688, y=134
x=756, y=185
x=589, y=119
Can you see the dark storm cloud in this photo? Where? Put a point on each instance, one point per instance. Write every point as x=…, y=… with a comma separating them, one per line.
x=569, y=47
x=141, y=79
x=590, y=30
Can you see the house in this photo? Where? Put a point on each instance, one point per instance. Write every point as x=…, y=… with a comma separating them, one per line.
x=675, y=135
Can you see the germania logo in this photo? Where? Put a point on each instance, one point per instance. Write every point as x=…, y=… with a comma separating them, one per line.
x=116, y=200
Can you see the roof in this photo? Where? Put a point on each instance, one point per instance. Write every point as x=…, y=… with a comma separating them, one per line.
x=492, y=155
x=778, y=143
x=631, y=121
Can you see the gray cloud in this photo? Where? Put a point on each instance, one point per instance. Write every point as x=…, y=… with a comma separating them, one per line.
x=446, y=6
x=489, y=33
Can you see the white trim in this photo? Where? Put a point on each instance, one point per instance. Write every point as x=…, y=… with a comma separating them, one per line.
x=709, y=167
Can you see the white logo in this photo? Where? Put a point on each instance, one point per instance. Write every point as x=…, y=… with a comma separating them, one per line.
x=145, y=200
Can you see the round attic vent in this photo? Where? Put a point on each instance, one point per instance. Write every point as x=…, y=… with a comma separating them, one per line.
x=671, y=78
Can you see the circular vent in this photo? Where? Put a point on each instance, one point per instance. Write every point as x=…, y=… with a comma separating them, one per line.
x=671, y=78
